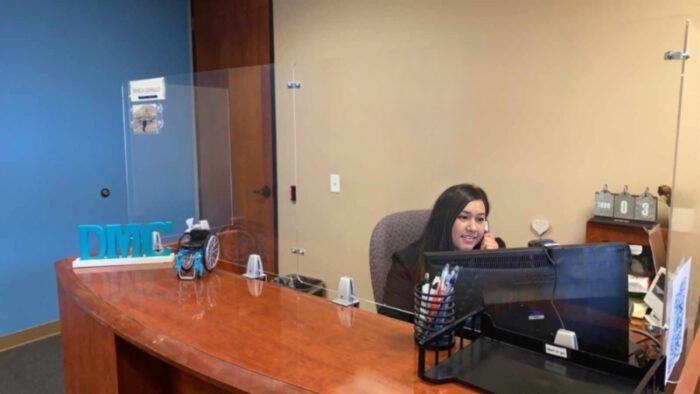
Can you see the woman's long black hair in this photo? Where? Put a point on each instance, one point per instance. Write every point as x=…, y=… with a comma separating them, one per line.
x=437, y=236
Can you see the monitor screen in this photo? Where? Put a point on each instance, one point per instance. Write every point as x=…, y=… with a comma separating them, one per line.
x=536, y=291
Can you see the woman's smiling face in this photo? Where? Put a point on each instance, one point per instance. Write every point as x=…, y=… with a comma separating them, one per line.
x=469, y=227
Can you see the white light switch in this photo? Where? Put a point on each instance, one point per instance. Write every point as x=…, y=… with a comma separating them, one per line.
x=335, y=183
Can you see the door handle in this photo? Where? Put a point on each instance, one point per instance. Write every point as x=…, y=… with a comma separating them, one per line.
x=264, y=191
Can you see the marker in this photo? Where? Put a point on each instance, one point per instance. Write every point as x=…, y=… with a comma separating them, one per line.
x=426, y=279
x=425, y=290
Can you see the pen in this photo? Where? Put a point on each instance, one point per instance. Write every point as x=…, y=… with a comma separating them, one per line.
x=443, y=278
x=446, y=288
x=424, y=291
x=434, y=288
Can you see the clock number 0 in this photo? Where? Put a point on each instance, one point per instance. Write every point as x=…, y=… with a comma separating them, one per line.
x=623, y=207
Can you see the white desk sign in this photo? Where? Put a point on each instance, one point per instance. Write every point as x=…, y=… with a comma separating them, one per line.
x=78, y=263
x=147, y=89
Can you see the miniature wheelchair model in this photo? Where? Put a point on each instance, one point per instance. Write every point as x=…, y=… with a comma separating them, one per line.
x=198, y=249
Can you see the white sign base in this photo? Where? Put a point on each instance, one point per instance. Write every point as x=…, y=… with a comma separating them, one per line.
x=77, y=263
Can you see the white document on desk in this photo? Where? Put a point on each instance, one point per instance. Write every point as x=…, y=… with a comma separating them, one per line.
x=676, y=315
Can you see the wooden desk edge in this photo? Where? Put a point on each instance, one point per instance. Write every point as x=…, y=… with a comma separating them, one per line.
x=170, y=351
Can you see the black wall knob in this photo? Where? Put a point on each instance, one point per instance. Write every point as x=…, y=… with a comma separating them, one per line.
x=264, y=191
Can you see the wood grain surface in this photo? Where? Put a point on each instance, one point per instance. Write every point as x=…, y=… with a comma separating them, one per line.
x=230, y=333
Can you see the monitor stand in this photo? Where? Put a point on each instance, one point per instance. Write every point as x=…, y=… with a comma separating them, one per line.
x=533, y=368
x=483, y=362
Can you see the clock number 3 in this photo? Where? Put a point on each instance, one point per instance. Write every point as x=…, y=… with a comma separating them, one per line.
x=645, y=209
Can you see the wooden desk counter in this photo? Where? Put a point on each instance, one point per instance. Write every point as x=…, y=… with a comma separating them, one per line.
x=143, y=330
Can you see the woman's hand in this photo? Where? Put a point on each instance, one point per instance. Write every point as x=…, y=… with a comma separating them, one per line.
x=489, y=242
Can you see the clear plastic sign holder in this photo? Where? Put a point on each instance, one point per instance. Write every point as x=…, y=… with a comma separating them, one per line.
x=168, y=152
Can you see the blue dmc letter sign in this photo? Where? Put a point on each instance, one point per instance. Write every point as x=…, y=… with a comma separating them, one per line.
x=115, y=237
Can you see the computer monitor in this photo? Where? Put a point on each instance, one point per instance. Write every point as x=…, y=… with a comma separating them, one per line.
x=537, y=291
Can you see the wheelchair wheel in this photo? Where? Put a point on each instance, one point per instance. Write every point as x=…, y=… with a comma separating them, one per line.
x=211, y=252
x=187, y=258
x=187, y=262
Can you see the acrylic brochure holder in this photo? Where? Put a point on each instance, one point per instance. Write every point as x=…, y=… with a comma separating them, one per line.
x=502, y=361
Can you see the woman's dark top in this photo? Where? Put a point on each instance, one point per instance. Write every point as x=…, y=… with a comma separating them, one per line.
x=403, y=276
x=398, y=290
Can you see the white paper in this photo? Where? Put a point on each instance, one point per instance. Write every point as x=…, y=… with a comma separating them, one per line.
x=147, y=89
x=676, y=315
x=637, y=284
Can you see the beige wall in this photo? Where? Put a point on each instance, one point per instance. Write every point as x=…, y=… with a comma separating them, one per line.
x=539, y=102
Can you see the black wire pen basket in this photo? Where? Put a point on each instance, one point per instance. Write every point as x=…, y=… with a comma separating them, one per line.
x=432, y=313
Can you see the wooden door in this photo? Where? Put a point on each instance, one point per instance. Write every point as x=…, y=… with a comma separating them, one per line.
x=237, y=36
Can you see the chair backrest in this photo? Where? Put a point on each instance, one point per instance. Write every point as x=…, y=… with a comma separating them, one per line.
x=393, y=233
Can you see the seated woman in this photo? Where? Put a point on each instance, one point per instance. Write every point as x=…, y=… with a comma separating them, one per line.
x=457, y=222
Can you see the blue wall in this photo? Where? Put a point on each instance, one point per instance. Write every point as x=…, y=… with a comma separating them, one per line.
x=62, y=65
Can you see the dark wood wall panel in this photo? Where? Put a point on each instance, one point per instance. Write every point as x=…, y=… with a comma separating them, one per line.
x=233, y=36
x=231, y=33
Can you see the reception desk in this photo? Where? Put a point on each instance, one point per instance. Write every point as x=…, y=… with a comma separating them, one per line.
x=141, y=329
